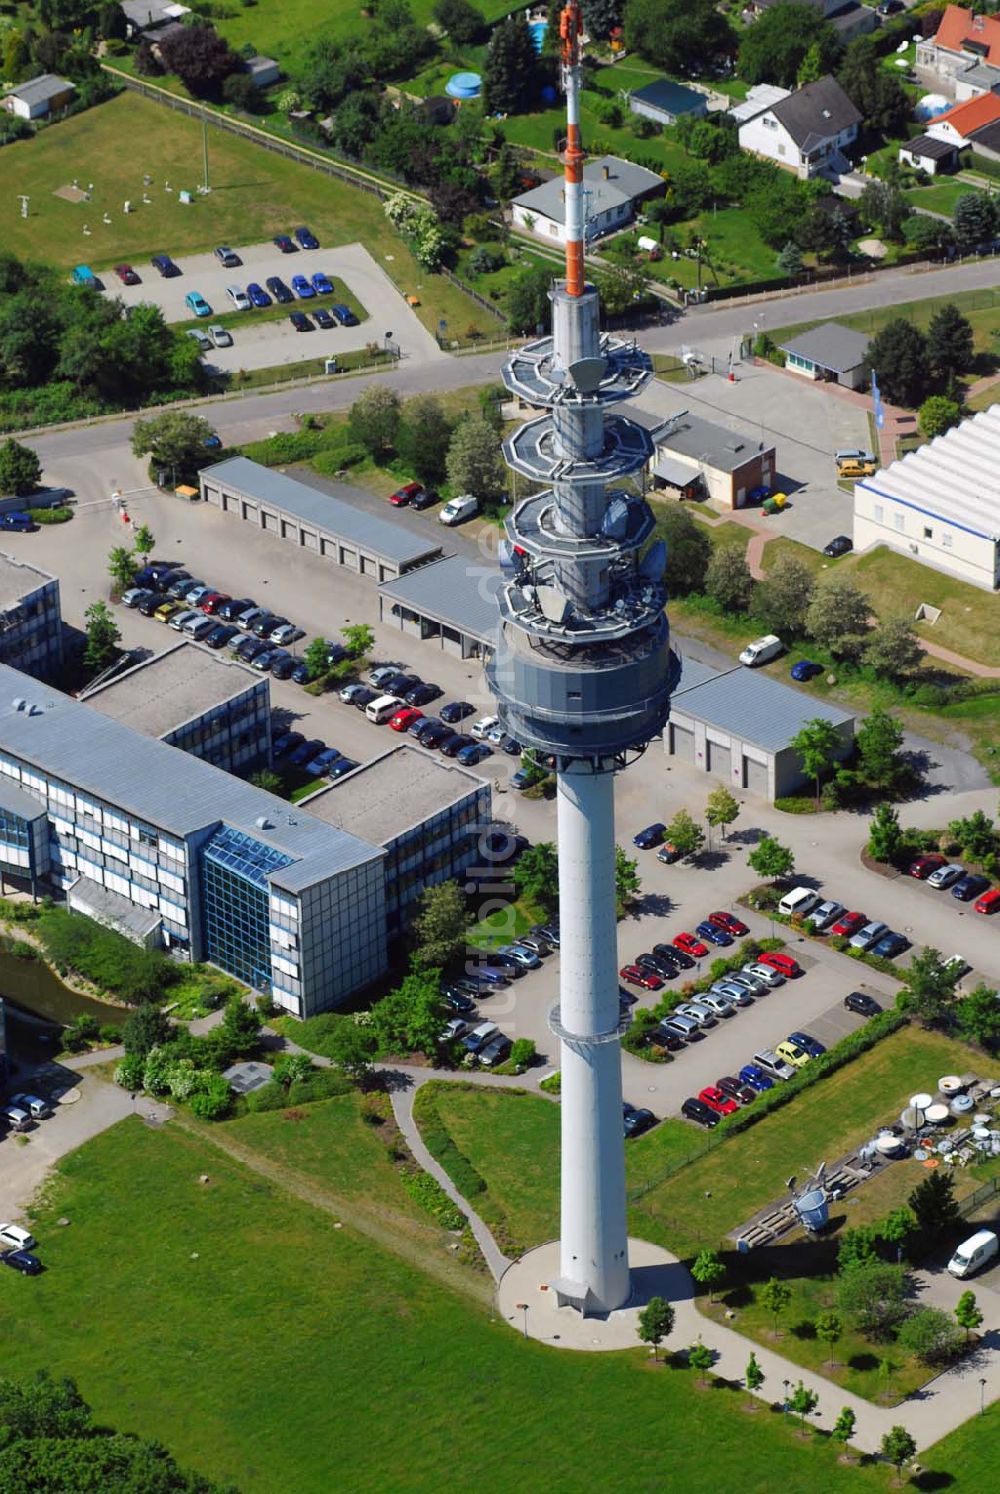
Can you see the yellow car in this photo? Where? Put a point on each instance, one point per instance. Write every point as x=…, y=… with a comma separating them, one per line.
x=167, y=611
x=856, y=469
x=792, y=1053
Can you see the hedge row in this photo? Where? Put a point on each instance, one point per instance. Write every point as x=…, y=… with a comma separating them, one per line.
x=428, y=1193
x=441, y=1145
x=835, y=941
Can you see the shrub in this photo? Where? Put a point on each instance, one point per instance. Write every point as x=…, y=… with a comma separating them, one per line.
x=108, y=959
x=931, y=1335
x=128, y=1073
x=522, y=1055
x=50, y=515
x=428, y=1193
x=552, y=1083
x=441, y=1145
x=214, y=1100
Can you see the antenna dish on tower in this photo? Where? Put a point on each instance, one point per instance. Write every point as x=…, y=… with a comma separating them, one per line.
x=555, y=606
x=615, y=521
x=587, y=374
x=654, y=562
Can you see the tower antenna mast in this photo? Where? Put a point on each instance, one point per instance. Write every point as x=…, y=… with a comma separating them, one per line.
x=571, y=39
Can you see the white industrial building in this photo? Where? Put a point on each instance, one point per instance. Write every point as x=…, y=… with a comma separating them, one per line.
x=941, y=503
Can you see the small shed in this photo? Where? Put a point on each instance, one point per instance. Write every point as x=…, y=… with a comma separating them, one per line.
x=665, y=102
x=930, y=155
x=262, y=71
x=830, y=352
x=39, y=97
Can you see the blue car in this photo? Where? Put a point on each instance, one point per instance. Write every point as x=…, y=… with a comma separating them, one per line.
x=321, y=284
x=890, y=945
x=756, y=1078
x=713, y=933
x=258, y=295
x=341, y=766
x=306, y=238
x=300, y=674
x=473, y=754
x=345, y=316
x=812, y=1046
x=650, y=837
x=806, y=670
x=302, y=287
x=322, y=762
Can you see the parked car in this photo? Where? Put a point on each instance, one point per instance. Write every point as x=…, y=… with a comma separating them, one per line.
x=279, y=290
x=300, y=321
x=456, y=510
x=422, y=694
x=302, y=288
x=810, y=1045
x=23, y=1261
x=648, y=980
x=946, y=876
x=785, y=964
x=231, y=610
x=713, y=933
x=922, y=867
x=250, y=648
x=890, y=945
x=453, y=745
x=697, y=1110
x=753, y=983
x=474, y=753
x=399, y=683
x=805, y=670
x=126, y=275
x=319, y=765
x=668, y=853
x=730, y=923
x=321, y=284
x=286, y=743
x=15, y=1236
x=184, y=616
x=479, y=1036
x=826, y=914
x=869, y=935
x=196, y=304
x=283, y=242
x=306, y=237
x=323, y=319
x=526, y=958
x=865, y=1006
x=989, y=902
x=658, y=966
x=201, y=338
x=841, y=544
x=635, y=1120
x=258, y=295
x=221, y=338
x=427, y=497
x=211, y=601
x=848, y=924
x=282, y=665
x=148, y=603
x=969, y=887
x=238, y=296
x=753, y=1075
x=345, y=316
x=771, y=977
x=703, y=1015
x=717, y=1101
x=496, y=1050
x=479, y=728
x=736, y=1089
x=343, y=766
x=404, y=719
x=455, y=710
x=690, y=945
x=732, y=991
x=718, y=1005
x=165, y=265
x=777, y=1068
x=228, y=258
x=792, y=1054
x=134, y=596
x=166, y=611
x=650, y=837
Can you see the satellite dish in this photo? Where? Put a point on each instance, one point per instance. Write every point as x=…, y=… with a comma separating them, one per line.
x=555, y=606
x=615, y=521
x=587, y=374
x=654, y=562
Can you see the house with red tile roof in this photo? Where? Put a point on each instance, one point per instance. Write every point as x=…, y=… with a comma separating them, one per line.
x=963, y=40
x=959, y=124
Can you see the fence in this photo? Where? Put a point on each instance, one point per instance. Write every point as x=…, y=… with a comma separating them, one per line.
x=474, y=295
x=982, y=1194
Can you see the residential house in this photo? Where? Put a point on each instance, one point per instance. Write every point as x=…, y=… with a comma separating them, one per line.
x=613, y=190
x=665, y=102
x=962, y=41
x=847, y=17
x=959, y=125
x=149, y=15
x=808, y=132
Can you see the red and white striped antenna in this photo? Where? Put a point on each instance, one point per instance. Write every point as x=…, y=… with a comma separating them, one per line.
x=571, y=37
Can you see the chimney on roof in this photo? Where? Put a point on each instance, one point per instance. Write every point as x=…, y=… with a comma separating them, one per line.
x=606, y=173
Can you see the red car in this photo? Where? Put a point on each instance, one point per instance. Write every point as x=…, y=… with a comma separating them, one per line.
x=406, y=494
x=404, y=719
x=989, y=902
x=731, y=924
x=212, y=601
x=691, y=945
x=126, y=275
x=849, y=924
x=783, y=963
x=717, y=1101
x=924, y=865
x=636, y=976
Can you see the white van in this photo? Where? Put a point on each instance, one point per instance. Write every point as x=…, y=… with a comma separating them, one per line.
x=798, y=902
x=458, y=509
x=36, y=1108
x=16, y=1238
x=761, y=650
x=382, y=709
x=18, y=1120
x=975, y=1252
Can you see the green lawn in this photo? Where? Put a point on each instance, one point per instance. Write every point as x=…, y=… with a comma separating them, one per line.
x=267, y=1349
x=939, y=197
x=970, y=617
x=255, y=195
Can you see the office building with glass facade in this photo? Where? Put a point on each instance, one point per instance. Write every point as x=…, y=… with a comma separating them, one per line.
x=30, y=619
x=278, y=897
x=214, y=708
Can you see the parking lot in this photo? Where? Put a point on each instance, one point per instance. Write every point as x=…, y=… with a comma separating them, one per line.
x=264, y=344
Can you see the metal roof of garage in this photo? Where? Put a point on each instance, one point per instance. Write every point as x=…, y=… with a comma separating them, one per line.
x=755, y=707
x=455, y=591
x=375, y=536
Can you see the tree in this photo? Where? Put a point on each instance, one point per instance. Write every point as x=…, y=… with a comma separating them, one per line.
x=931, y=1335
x=121, y=567
x=728, y=581
x=290, y=1068
x=884, y=834
x=708, y=1270
x=241, y=1025
x=838, y=619
x=933, y=1202
x=930, y=986
x=351, y=1048
x=781, y=601
x=950, y=348
x=317, y=657
x=858, y=1247
x=975, y=835
x=685, y=834
x=602, y=16
x=829, y=1330
x=936, y=415
x=772, y=860
x=701, y=1359
x=977, y=1017
x=774, y=48
x=536, y=875
x=775, y=1295
x=20, y=469
x=510, y=68
x=174, y=439
x=417, y=222
x=974, y=220
x=656, y=1322
x=812, y=66
x=873, y=1297
x=722, y=809
x=789, y=261
x=628, y=884
x=898, y=1228
x=893, y=649
x=214, y=1100
x=240, y=90
x=817, y=744
x=879, y=742
x=462, y=21
x=967, y=1313
x=898, y=355
x=528, y=305
x=753, y=1375
x=424, y=434
x=689, y=550
x=144, y=540
x=803, y=1402
x=146, y=1027
x=440, y=925
x=884, y=208
x=373, y=420
x=475, y=463
x=879, y=96
x=359, y=639
x=897, y=1448
x=843, y=1427
x=199, y=57
x=410, y=1018
x=103, y=637
x=680, y=36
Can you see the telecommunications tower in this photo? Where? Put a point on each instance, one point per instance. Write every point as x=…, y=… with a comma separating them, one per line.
x=583, y=672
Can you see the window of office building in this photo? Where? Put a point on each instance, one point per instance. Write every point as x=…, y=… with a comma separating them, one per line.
x=235, y=896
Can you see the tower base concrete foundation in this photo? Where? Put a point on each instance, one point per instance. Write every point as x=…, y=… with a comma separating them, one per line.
x=527, y=1298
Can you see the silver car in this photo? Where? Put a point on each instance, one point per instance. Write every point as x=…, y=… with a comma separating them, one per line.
x=721, y=1005
x=869, y=935
x=199, y=627
x=769, y=1061
x=943, y=877
x=750, y=983
x=703, y=1015
x=181, y=619
x=771, y=978
x=733, y=990
x=525, y=957
x=827, y=913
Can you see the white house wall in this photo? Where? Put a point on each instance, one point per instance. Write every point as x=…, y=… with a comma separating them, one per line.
x=947, y=547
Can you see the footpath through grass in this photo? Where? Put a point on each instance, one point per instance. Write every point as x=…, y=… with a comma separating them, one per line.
x=266, y=1348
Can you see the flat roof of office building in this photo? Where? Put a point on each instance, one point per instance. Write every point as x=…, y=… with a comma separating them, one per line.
x=389, y=795
x=19, y=579
x=162, y=693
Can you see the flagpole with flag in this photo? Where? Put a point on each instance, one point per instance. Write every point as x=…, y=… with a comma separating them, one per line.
x=877, y=409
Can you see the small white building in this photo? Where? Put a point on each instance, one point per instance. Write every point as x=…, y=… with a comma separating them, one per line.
x=44, y=95
x=927, y=154
x=665, y=102
x=940, y=504
x=612, y=189
x=262, y=71
x=760, y=97
x=831, y=353
x=807, y=132
x=958, y=126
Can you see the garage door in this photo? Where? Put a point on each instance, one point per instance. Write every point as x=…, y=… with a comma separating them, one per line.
x=754, y=776
x=309, y=540
x=720, y=760
x=329, y=549
x=682, y=743
x=212, y=496
x=250, y=512
x=369, y=566
x=270, y=522
x=349, y=557
x=289, y=530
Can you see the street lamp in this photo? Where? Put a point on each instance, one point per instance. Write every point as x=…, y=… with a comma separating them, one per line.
x=982, y=1397
x=788, y=1385
x=523, y=1307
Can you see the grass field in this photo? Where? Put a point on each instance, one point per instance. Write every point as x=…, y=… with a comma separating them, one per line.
x=255, y=194
x=939, y=197
x=970, y=617
x=267, y=1349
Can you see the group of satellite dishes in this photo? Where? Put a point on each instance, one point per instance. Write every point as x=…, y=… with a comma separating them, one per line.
x=553, y=604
